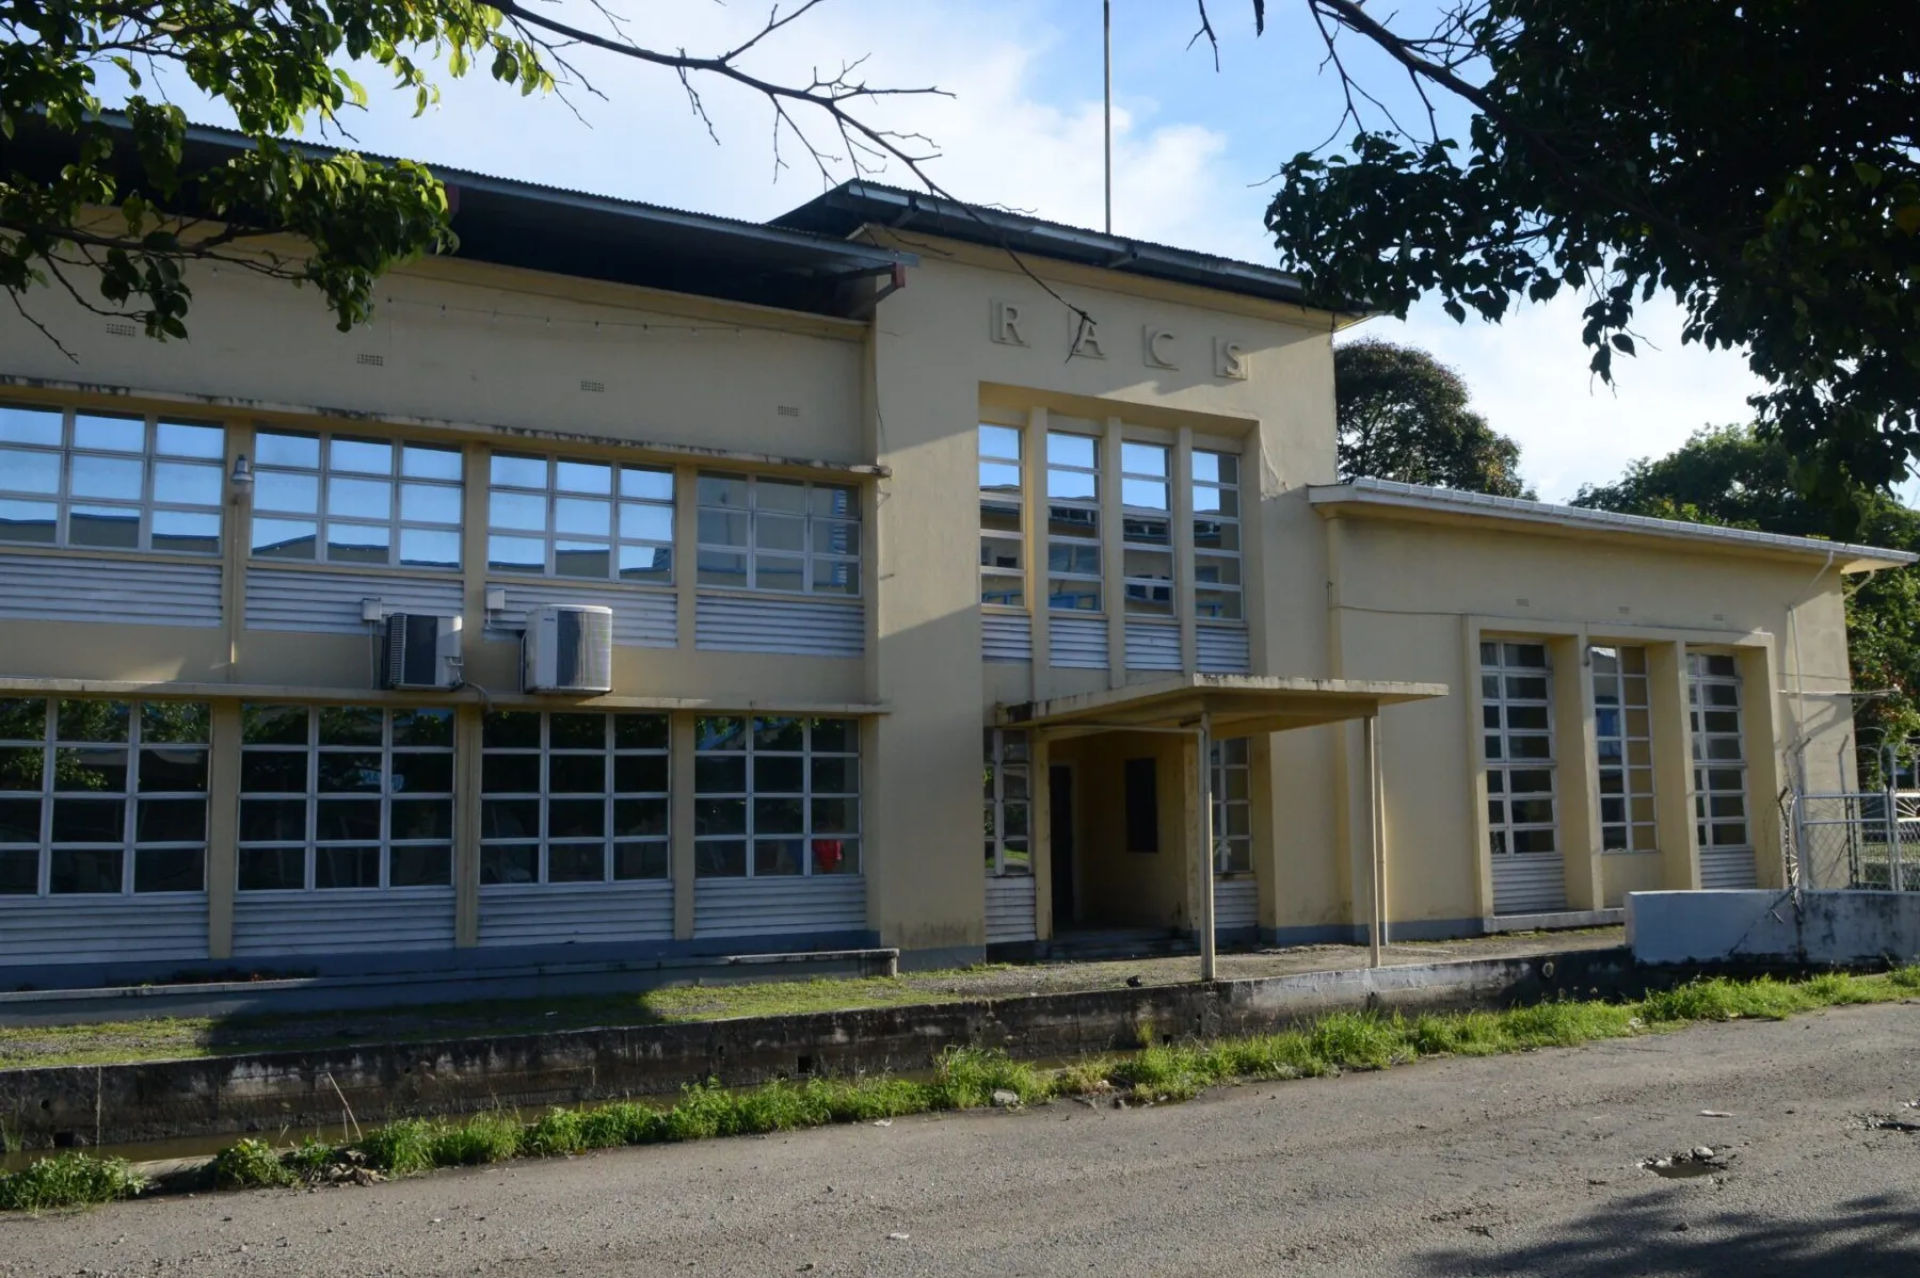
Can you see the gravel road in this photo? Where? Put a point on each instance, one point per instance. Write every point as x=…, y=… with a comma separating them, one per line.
x=1514, y=1165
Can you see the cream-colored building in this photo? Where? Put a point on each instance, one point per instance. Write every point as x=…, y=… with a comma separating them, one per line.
x=881, y=499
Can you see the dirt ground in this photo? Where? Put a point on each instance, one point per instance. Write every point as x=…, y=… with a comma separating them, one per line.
x=1509, y=1165
x=179, y=1037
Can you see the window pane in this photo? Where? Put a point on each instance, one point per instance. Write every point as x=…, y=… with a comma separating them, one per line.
x=356, y=867
x=1071, y=485
x=722, y=490
x=646, y=523
x=577, y=774
x=510, y=863
x=720, y=859
x=186, y=532
x=173, y=770
x=582, y=516
x=726, y=775
x=720, y=816
x=184, y=439
x=19, y=871
x=645, y=481
x=114, y=434
x=510, y=819
x=90, y=870
x=170, y=870
x=350, y=725
x=425, y=548
x=646, y=563
x=285, y=539
x=273, y=725
x=29, y=521
x=842, y=856
x=779, y=816
x=273, y=820
x=510, y=728
x=113, y=527
x=775, y=857
x=272, y=869
x=582, y=559
x=721, y=732
x=171, y=821
x=114, y=477
x=410, y=819
x=360, y=498
x=640, y=861
x=420, y=867
x=102, y=721
x=25, y=471
x=1070, y=450
x=583, y=477
x=341, y=772
x=639, y=817
x=999, y=477
x=778, y=572
x=835, y=502
x=517, y=554
x=30, y=425
x=517, y=471
x=187, y=483
x=358, y=543
x=1145, y=493
x=340, y=820
x=274, y=448
x=999, y=441
x=422, y=462
x=363, y=455
x=19, y=820
x=430, y=503
x=836, y=577
x=576, y=818
x=576, y=862
x=89, y=821
x=640, y=774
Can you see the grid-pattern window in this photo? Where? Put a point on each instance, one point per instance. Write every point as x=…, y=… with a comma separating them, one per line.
x=573, y=797
x=1719, y=752
x=1516, y=699
x=109, y=481
x=1146, y=529
x=345, y=797
x=776, y=796
x=779, y=534
x=1003, y=547
x=102, y=797
x=555, y=517
x=331, y=499
x=1007, y=816
x=1232, y=807
x=1073, y=522
x=1623, y=736
x=1216, y=536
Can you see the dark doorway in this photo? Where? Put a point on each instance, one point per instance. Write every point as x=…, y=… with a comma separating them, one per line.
x=1060, y=835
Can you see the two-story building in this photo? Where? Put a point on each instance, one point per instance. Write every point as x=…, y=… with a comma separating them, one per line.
x=920, y=531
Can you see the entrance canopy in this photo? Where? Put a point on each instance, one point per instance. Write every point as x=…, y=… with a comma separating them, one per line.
x=1238, y=705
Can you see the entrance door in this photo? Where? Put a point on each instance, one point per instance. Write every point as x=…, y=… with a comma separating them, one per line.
x=1060, y=835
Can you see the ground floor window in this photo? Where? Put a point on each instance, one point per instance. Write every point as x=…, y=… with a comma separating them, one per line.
x=1516, y=699
x=335, y=797
x=776, y=796
x=102, y=797
x=1007, y=815
x=1623, y=737
x=1719, y=751
x=1232, y=806
x=572, y=797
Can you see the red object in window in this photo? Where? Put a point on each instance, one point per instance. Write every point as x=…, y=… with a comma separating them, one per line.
x=826, y=855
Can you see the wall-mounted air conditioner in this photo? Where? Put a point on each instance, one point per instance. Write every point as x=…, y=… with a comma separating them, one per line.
x=420, y=651
x=567, y=648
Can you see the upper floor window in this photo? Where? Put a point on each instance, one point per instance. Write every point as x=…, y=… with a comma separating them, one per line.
x=1232, y=806
x=330, y=499
x=1073, y=522
x=1007, y=814
x=572, y=797
x=102, y=797
x=775, y=795
x=1003, y=555
x=1216, y=536
x=564, y=518
x=1719, y=751
x=1623, y=738
x=110, y=481
x=1147, y=528
x=791, y=535
x=345, y=797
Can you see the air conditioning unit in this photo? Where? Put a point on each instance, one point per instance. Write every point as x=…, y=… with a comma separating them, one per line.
x=567, y=648
x=420, y=651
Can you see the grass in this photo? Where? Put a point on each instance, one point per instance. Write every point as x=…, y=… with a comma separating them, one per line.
x=972, y=1078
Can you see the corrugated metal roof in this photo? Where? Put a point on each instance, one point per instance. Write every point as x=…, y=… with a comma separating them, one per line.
x=1389, y=492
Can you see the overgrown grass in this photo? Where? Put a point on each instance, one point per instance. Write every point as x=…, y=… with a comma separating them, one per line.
x=972, y=1078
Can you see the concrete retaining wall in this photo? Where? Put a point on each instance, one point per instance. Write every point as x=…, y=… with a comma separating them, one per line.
x=299, y=1092
x=1773, y=926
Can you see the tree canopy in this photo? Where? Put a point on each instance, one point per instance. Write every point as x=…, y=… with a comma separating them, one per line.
x=1403, y=415
x=113, y=219
x=1758, y=162
x=1737, y=477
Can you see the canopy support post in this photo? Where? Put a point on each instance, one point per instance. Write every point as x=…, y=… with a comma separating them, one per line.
x=1209, y=958
x=1376, y=840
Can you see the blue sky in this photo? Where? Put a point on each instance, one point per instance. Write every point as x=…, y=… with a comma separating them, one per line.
x=1194, y=150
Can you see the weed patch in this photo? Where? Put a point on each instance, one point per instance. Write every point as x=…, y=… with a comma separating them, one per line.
x=68, y=1180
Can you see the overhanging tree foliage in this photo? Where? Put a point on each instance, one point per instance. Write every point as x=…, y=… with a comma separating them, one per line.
x=115, y=221
x=1734, y=476
x=1403, y=415
x=1759, y=162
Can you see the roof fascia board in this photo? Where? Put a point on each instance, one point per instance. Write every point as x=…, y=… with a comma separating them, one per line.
x=1436, y=506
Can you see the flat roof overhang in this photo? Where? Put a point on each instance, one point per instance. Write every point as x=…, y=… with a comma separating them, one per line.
x=1236, y=705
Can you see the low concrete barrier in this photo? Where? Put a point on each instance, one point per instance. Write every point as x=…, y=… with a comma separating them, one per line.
x=301, y=1092
x=1775, y=926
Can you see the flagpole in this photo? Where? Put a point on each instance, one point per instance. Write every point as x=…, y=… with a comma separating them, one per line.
x=1106, y=13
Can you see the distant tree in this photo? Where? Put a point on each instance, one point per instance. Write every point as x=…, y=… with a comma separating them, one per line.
x=1403, y=415
x=1734, y=476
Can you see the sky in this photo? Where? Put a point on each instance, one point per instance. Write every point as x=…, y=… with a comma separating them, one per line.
x=1195, y=149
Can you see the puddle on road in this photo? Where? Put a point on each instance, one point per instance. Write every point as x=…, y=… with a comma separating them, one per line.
x=1686, y=1164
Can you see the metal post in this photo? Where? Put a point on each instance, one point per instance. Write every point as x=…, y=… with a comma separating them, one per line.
x=1377, y=861
x=1209, y=960
x=1106, y=15
x=1893, y=821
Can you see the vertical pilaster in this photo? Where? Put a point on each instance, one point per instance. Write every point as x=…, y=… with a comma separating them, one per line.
x=468, y=725
x=1182, y=506
x=1040, y=806
x=1033, y=485
x=1576, y=748
x=237, y=536
x=223, y=825
x=681, y=741
x=473, y=540
x=1672, y=767
x=686, y=555
x=1113, y=563
x=1763, y=739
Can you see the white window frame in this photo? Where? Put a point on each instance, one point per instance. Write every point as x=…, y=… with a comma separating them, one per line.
x=1634, y=781
x=1496, y=699
x=750, y=549
x=1709, y=794
x=325, y=474
x=613, y=541
x=1232, y=818
x=311, y=844
x=1008, y=755
x=151, y=500
x=1225, y=492
x=610, y=752
x=750, y=835
x=129, y=845
x=997, y=578
x=1137, y=591
x=1083, y=505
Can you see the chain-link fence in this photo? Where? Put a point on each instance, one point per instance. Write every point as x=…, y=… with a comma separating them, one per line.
x=1859, y=840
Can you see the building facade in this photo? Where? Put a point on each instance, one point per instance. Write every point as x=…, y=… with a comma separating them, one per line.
x=874, y=495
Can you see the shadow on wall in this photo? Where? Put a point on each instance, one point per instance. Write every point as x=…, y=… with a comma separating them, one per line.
x=1679, y=1235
